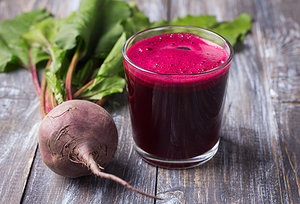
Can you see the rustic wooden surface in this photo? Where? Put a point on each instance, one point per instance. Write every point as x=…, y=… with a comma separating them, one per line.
x=259, y=156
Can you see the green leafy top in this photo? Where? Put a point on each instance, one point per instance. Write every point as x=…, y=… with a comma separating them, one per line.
x=236, y=29
x=231, y=30
x=90, y=41
x=80, y=25
x=111, y=29
x=13, y=48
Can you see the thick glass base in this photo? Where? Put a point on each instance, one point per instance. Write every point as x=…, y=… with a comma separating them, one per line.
x=178, y=164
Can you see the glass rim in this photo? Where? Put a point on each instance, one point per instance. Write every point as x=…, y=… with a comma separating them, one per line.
x=228, y=60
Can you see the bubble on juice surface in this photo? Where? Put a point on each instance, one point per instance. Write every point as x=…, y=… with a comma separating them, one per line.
x=180, y=53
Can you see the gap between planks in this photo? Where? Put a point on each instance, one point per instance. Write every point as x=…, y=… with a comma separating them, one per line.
x=29, y=174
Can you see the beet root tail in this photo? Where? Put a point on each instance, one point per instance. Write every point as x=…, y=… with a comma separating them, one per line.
x=96, y=170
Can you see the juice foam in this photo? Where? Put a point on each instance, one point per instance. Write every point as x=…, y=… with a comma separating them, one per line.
x=177, y=53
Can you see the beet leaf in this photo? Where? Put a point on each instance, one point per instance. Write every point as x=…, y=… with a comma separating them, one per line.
x=136, y=22
x=14, y=49
x=15, y=52
x=111, y=29
x=233, y=31
x=84, y=50
x=42, y=35
x=109, y=78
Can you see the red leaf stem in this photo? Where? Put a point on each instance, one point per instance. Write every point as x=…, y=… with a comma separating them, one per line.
x=34, y=75
x=71, y=69
x=82, y=89
x=42, y=97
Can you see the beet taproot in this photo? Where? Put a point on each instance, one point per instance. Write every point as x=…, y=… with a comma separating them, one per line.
x=78, y=138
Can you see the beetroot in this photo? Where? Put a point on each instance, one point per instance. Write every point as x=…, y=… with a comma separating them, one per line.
x=78, y=138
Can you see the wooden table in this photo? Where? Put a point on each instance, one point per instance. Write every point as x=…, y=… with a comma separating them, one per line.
x=259, y=156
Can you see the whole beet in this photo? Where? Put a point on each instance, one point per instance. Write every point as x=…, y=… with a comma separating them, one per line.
x=75, y=132
x=78, y=138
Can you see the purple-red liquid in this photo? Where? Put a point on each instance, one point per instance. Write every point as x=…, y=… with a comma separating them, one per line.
x=176, y=107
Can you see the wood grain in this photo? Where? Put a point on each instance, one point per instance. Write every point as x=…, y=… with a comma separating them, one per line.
x=154, y=9
x=281, y=41
x=11, y=8
x=251, y=165
x=19, y=118
x=259, y=156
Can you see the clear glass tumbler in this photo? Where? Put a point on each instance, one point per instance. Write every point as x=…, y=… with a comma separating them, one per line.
x=176, y=118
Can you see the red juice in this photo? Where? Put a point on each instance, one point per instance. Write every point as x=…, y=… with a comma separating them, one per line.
x=176, y=95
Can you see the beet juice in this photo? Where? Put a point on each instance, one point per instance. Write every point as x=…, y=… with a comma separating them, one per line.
x=176, y=86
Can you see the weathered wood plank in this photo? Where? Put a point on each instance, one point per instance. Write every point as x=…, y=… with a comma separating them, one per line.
x=154, y=9
x=288, y=123
x=19, y=117
x=249, y=167
x=281, y=42
x=11, y=8
x=181, y=8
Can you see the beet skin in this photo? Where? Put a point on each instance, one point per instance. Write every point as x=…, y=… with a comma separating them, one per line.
x=75, y=132
x=78, y=138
